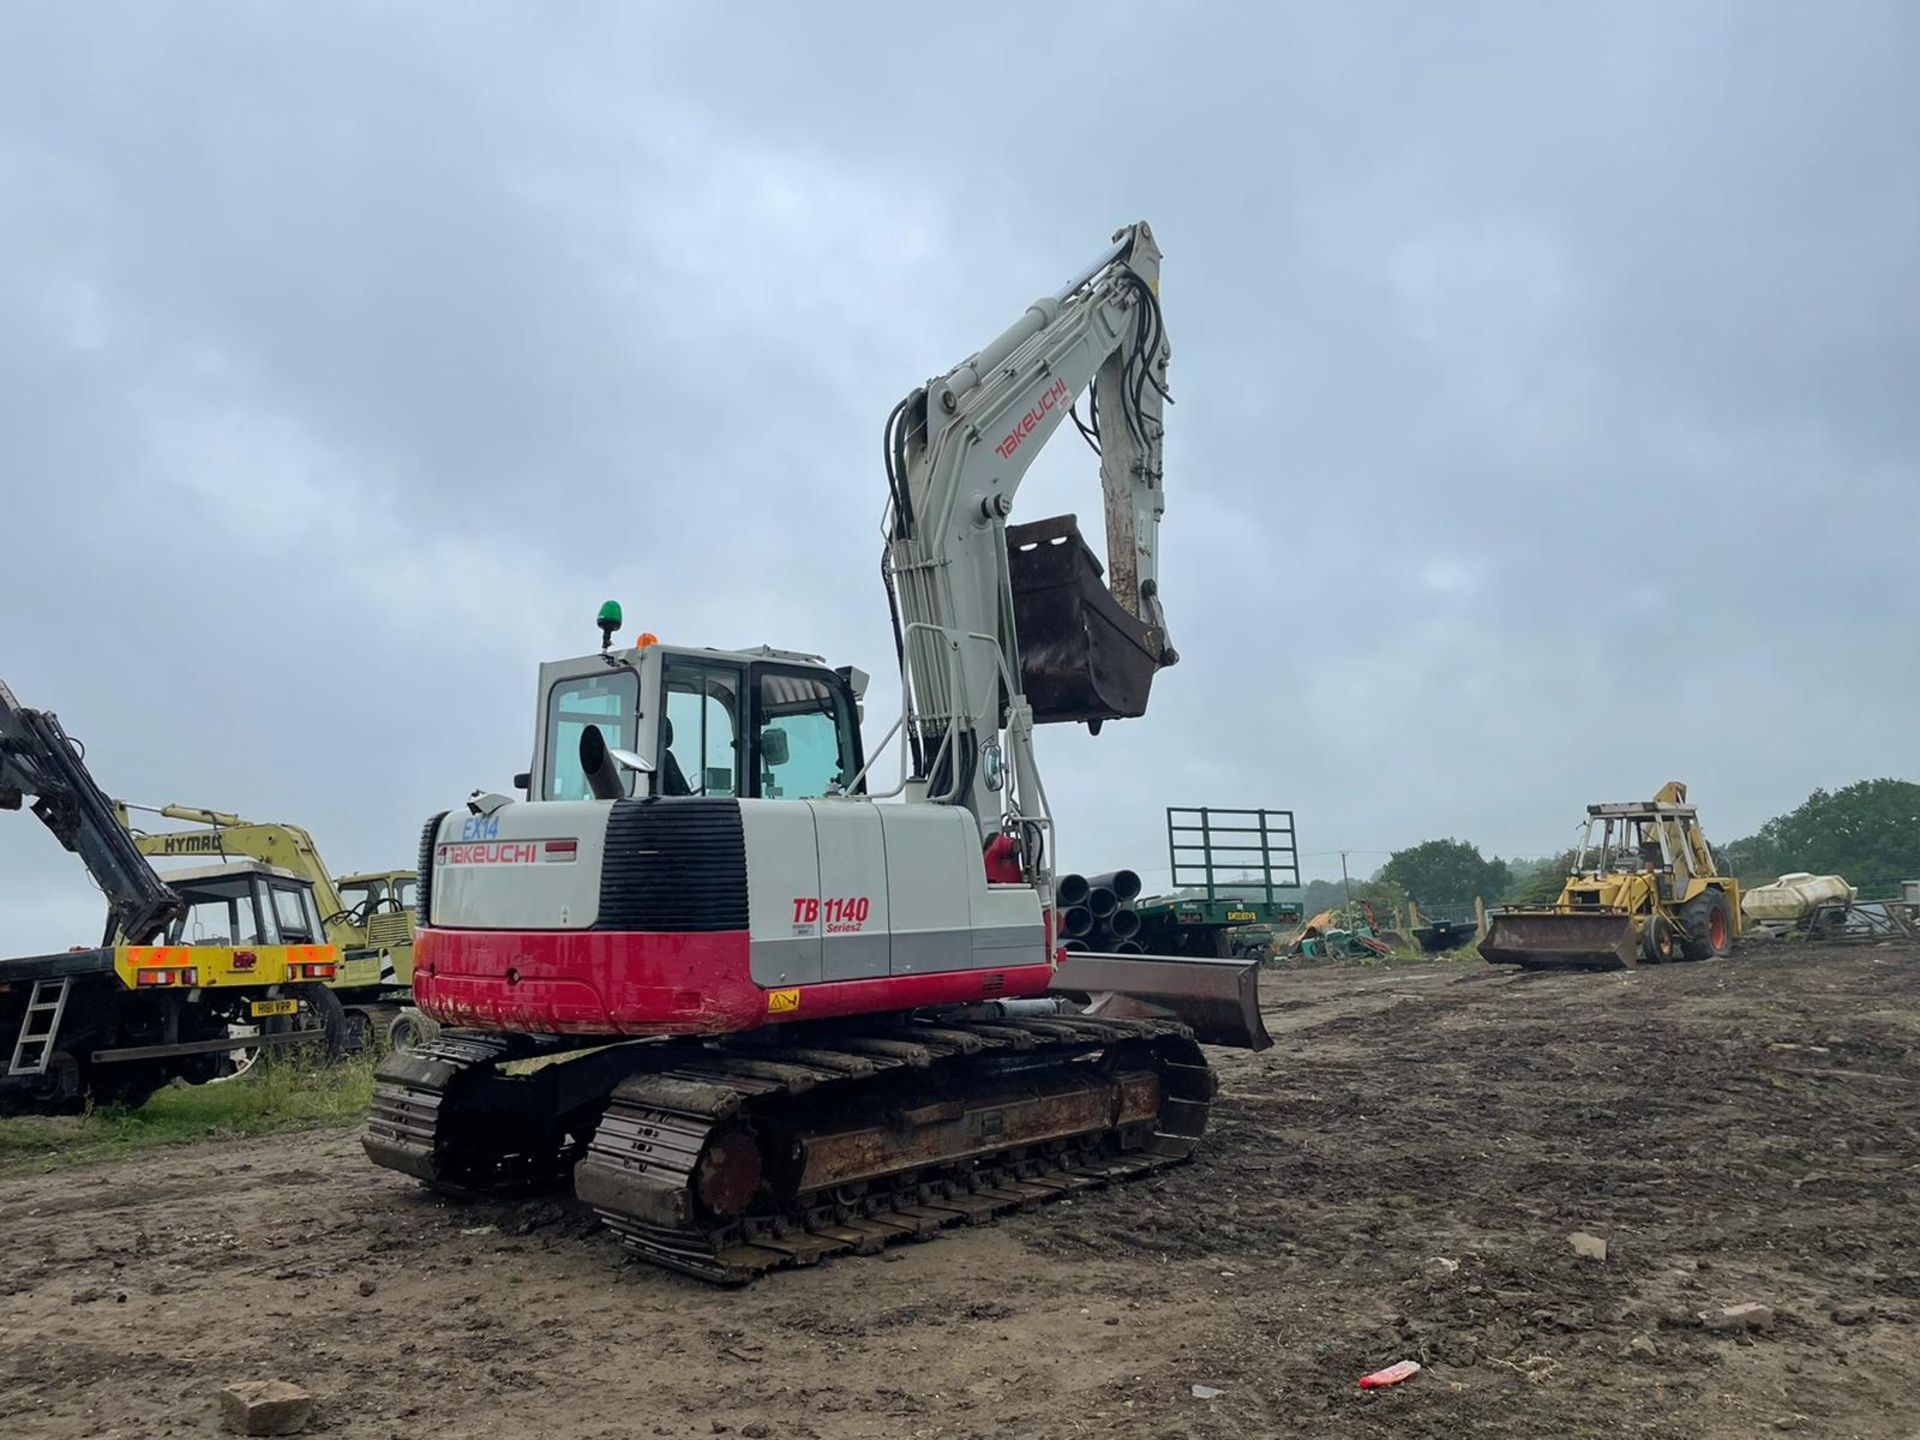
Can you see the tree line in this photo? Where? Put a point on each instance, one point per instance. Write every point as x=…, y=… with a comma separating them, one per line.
x=1868, y=832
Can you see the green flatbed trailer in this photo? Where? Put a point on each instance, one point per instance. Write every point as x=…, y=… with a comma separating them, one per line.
x=1210, y=927
x=1237, y=861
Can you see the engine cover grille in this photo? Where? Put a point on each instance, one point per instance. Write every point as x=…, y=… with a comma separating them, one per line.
x=674, y=864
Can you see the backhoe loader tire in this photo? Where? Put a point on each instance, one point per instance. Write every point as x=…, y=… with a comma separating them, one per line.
x=1656, y=941
x=1707, y=921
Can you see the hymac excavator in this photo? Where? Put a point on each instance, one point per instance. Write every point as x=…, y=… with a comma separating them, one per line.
x=778, y=1015
x=195, y=973
x=367, y=917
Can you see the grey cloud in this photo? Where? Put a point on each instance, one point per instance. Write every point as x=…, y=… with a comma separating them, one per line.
x=1545, y=419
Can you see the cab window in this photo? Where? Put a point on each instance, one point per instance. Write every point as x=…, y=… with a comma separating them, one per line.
x=610, y=702
x=806, y=742
x=290, y=913
x=403, y=891
x=700, y=732
x=219, y=913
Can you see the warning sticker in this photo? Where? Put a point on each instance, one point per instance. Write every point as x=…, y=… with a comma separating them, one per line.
x=782, y=1001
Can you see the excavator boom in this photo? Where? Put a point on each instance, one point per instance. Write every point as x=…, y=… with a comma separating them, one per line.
x=223, y=836
x=1001, y=628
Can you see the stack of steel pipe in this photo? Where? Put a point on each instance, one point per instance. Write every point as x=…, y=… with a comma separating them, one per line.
x=1076, y=920
x=1096, y=912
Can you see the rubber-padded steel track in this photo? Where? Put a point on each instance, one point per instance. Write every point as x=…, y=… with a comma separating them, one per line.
x=707, y=1156
x=445, y=1113
x=643, y=1172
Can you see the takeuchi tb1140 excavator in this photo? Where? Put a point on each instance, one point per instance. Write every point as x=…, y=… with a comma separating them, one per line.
x=843, y=1016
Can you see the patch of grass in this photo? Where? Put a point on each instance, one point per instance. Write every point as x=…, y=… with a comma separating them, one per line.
x=285, y=1096
x=1465, y=954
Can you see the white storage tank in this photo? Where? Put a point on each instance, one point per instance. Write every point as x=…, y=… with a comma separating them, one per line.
x=1792, y=896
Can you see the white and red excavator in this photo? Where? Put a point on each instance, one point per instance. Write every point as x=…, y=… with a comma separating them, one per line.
x=760, y=1013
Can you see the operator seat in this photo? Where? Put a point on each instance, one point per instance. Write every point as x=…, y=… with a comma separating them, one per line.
x=673, y=780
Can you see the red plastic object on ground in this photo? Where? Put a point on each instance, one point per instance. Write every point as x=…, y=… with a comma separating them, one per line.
x=1392, y=1375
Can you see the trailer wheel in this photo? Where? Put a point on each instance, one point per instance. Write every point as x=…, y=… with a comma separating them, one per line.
x=359, y=1030
x=332, y=1015
x=322, y=1005
x=128, y=1086
x=1656, y=940
x=61, y=1090
x=368, y=1022
x=1707, y=923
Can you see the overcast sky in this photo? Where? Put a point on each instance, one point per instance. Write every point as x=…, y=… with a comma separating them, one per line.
x=1546, y=382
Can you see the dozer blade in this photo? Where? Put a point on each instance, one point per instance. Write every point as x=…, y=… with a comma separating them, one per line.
x=1082, y=656
x=1562, y=940
x=1219, y=1000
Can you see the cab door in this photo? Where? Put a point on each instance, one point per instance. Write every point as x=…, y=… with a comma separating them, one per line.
x=701, y=729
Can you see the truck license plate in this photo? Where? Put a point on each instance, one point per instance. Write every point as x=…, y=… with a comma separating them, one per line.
x=274, y=1007
x=1241, y=915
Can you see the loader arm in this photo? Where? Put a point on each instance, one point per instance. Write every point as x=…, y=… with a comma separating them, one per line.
x=957, y=450
x=39, y=759
x=1686, y=842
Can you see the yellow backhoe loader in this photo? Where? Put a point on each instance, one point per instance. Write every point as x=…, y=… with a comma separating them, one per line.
x=368, y=916
x=1644, y=888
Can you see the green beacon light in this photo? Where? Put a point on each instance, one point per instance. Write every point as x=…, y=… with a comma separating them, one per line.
x=608, y=621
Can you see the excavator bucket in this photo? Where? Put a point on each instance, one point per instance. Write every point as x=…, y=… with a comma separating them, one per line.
x=1219, y=1000
x=1562, y=940
x=1082, y=656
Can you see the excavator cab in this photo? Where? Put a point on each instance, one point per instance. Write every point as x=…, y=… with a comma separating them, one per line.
x=242, y=902
x=684, y=723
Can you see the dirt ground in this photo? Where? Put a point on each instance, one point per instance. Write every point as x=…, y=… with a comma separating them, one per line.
x=1397, y=1178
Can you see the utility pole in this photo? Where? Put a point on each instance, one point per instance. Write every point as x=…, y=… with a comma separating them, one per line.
x=1344, y=881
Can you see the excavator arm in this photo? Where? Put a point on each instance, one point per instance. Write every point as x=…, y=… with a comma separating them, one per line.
x=1004, y=627
x=38, y=759
x=224, y=836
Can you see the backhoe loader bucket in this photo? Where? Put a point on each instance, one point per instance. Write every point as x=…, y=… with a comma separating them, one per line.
x=1219, y=1000
x=1082, y=656
x=1563, y=939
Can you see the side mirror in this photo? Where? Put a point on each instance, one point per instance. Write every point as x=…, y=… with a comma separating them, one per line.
x=773, y=746
x=523, y=782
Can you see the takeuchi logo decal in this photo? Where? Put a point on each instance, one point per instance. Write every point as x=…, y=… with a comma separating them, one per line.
x=1050, y=400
